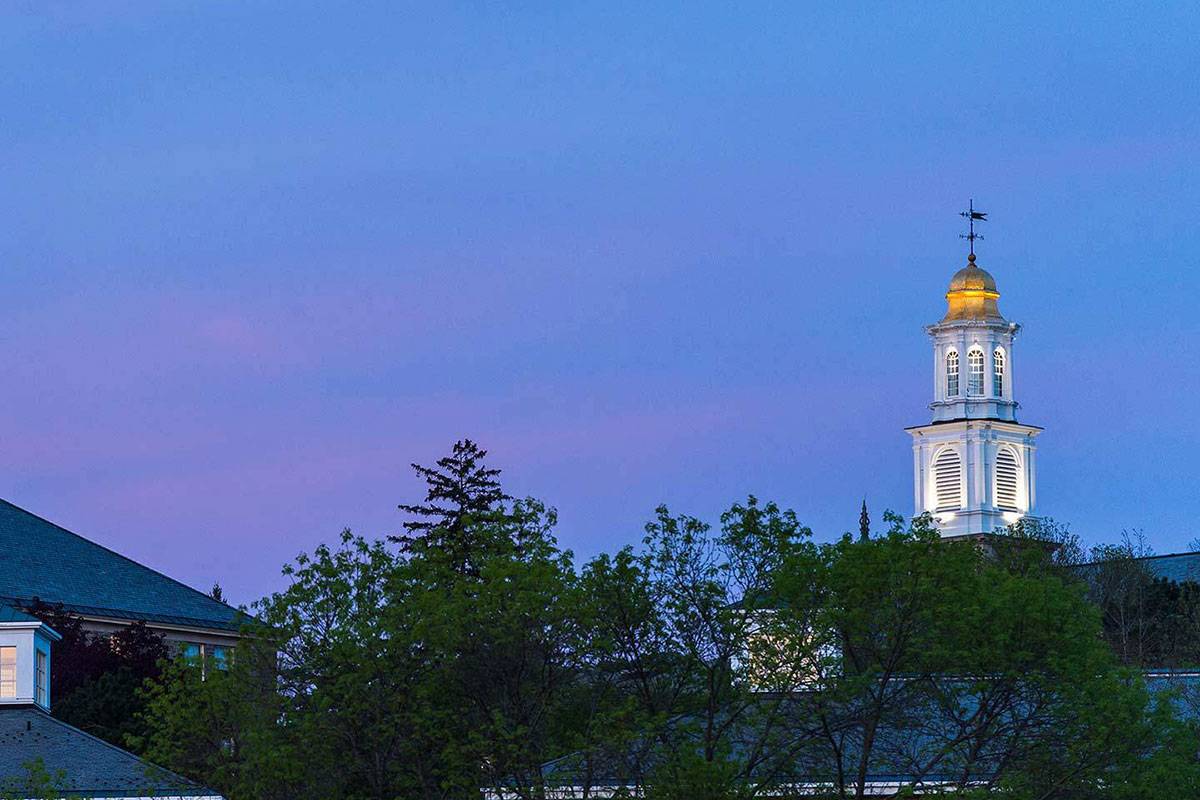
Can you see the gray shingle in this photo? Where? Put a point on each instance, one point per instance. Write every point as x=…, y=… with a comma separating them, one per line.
x=90, y=767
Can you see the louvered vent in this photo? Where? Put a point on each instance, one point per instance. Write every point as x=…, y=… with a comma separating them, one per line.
x=1006, y=479
x=947, y=476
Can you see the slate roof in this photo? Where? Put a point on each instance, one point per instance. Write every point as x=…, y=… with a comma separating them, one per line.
x=90, y=767
x=1178, y=567
x=10, y=614
x=44, y=561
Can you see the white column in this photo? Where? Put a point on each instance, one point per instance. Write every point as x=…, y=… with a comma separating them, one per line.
x=1010, y=372
x=918, y=479
x=1031, y=476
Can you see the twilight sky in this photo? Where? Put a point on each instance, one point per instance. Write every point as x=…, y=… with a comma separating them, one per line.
x=260, y=256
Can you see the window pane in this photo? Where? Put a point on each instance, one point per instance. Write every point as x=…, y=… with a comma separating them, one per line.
x=8, y=672
x=40, y=679
x=975, y=376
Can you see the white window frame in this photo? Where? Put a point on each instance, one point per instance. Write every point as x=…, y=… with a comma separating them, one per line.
x=999, y=363
x=41, y=677
x=935, y=471
x=1018, y=477
x=953, y=385
x=975, y=372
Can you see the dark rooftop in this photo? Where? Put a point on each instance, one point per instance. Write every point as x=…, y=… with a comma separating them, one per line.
x=1178, y=567
x=44, y=561
x=10, y=614
x=88, y=766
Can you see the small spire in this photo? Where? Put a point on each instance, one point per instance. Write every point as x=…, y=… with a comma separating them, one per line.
x=864, y=523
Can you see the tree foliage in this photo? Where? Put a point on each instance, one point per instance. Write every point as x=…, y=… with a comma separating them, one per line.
x=740, y=661
x=96, y=678
x=461, y=498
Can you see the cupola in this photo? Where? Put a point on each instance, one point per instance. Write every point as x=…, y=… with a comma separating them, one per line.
x=972, y=295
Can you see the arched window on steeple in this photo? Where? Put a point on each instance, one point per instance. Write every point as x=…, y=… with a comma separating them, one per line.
x=947, y=480
x=998, y=373
x=975, y=373
x=1008, y=472
x=952, y=373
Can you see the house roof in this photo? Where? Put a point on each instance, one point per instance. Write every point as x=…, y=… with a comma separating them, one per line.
x=88, y=766
x=43, y=561
x=1178, y=567
x=10, y=614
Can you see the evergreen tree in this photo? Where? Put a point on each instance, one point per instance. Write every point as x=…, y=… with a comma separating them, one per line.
x=463, y=496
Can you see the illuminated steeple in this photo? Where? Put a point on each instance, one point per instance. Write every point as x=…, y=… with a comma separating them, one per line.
x=974, y=464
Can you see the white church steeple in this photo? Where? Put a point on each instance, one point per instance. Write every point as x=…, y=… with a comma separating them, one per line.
x=973, y=466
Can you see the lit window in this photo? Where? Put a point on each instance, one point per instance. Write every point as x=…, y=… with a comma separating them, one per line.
x=975, y=373
x=998, y=373
x=947, y=480
x=8, y=672
x=206, y=656
x=39, y=685
x=952, y=373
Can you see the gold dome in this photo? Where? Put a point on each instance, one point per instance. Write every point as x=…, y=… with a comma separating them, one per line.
x=972, y=294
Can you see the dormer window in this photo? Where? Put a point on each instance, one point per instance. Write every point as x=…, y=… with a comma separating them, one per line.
x=952, y=373
x=24, y=658
x=975, y=373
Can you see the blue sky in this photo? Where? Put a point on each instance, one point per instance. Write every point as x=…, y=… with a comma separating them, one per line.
x=260, y=256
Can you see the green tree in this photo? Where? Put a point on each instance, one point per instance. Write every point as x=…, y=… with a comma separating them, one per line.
x=503, y=650
x=95, y=678
x=462, y=497
x=968, y=667
x=727, y=663
x=378, y=674
x=676, y=630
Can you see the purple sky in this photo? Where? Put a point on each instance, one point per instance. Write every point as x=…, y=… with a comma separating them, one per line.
x=259, y=257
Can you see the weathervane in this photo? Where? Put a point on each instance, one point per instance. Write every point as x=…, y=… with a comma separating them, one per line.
x=971, y=215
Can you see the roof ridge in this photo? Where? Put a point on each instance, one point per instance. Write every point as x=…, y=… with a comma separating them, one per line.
x=119, y=555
